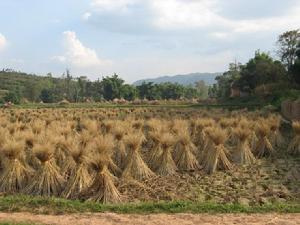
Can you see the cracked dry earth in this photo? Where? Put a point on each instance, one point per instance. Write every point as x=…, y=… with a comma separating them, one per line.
x=159, y=219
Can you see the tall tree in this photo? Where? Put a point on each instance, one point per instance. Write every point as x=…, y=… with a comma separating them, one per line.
x=262, y=69
x=287, y=43
x=225, y=81
x=146, y=90
x=295, y=69
x=112, y=87
x=82, y=81
x=47, y=96
x=129, y=92
x=201, y=88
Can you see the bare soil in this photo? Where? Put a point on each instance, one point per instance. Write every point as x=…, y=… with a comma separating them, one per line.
x=174, y=219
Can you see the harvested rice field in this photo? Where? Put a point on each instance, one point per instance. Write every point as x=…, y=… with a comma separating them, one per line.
x=137, y=155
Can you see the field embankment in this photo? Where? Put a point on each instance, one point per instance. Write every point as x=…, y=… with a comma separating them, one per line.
x=159, y=219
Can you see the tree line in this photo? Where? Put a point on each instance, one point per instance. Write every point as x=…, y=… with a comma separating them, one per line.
x=50, y=89
x=264, y=75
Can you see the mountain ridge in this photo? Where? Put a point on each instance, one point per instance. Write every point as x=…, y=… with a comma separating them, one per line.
x=184, y=79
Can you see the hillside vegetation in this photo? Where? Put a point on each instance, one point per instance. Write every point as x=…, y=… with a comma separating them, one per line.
x=16, y=86
x=264, y=78
x=22, y=84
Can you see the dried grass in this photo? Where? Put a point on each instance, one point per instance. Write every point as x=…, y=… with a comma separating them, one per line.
x=275, y=137
x=104, y=145
x=166, y=165
x=184, y=152
x=47, y=180
x=102, y=188
x=119, y=149
x=135, y=166
x=294, y=146
x=263, y=146
x=15, y=174
x=243, y=153
x=216, y=153
x=80, y=178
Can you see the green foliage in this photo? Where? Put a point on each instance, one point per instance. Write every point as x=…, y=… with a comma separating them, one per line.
x=295, y=68
x=261, y=69
x=129, y=92
x=47, y=96
x=112, y=87
x=287, y=47
x=12, y=96
x=201, y=89
x=148, y=91
x=51, y=90
x=226, y=81
x=262, y=76
x=169, y=90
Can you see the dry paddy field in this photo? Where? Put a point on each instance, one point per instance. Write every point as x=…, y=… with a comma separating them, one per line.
x=185, y=160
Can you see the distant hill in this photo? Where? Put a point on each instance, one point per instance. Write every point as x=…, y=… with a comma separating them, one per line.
x=10, y=80
x=208, y=78
x=28, y=85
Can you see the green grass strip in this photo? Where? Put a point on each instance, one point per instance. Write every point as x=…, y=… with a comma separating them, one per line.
x=42, y=205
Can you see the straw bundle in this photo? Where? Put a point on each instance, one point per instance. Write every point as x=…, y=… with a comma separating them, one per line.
x=263, y=146
x=80, y=177
x=166, y=165
x=184, y=152
x=216, y=153
x=47, y=180
x=102, y=188
x=294, y=146
x=243, y=154
x=15, y=174
x=135, y=166
x=275, y=138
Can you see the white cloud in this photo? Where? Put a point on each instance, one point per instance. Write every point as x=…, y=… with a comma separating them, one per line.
x=86, y=15
x=3, y=42
x=187, y=14
x=220, y=35
x=198, y=14
x=78, y=55
x=181, y=14
x=112, y=5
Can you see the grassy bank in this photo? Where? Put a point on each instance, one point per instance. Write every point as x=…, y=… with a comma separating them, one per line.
x=41, y=205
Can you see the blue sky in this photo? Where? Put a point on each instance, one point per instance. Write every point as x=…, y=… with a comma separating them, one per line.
x=138, y=38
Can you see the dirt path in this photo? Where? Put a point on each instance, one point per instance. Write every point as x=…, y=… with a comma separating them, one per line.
x=160, y=219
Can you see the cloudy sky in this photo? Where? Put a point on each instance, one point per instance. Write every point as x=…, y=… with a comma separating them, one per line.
x=138, y=38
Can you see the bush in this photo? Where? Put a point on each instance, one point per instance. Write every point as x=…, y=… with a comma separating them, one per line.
x=13, y=97
x=47, y=96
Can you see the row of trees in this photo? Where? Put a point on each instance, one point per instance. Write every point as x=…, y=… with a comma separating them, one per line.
x=262, y=71
x=50, y=89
